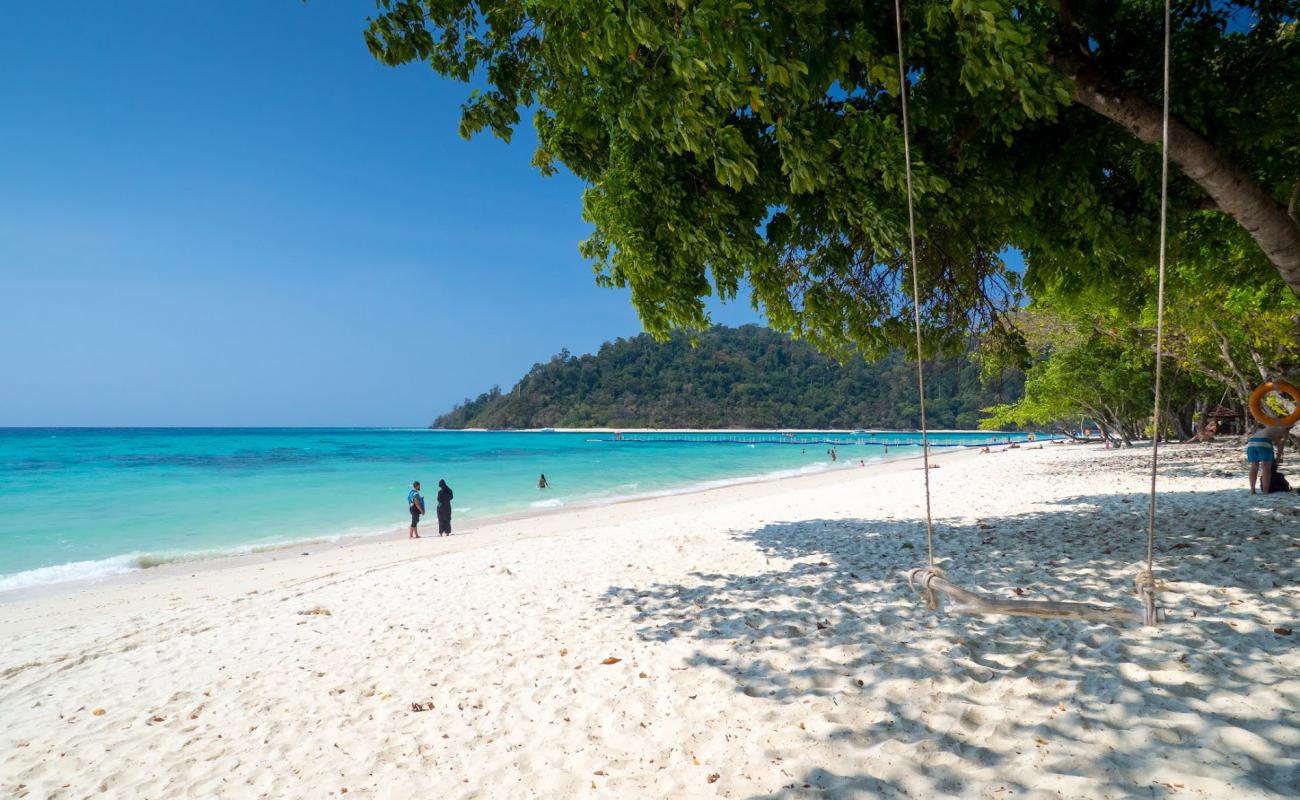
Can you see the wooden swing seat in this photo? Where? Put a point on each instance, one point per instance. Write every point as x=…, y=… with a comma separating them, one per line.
x=932, y=585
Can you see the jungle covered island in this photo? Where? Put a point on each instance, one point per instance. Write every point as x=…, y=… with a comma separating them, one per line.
x=757, y=147
x=747, y=377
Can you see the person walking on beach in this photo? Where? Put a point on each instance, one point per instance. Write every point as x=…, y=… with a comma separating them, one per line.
x=444, y=509
x=416, y=501
x=1263, y=448
x=541, y=482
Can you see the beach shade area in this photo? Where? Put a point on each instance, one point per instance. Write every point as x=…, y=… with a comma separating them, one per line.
x=753, y=641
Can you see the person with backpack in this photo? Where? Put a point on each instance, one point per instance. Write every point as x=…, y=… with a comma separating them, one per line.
x=416, y=502
x=444, y=508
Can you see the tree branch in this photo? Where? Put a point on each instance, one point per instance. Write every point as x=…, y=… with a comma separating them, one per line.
x=1273, y=227
x=1225, y=349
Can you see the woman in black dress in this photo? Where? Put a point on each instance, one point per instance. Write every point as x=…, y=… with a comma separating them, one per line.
x=444, y=508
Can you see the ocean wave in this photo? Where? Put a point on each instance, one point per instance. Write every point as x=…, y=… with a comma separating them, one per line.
x=72, y=571
x=553, y=503
x=718, y=483
x=131, y=562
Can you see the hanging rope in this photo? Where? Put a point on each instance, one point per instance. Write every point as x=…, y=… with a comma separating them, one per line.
x=1147, y=584
x=916, y=288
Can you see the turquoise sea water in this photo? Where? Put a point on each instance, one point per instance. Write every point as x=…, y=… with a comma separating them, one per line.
x=84, y=503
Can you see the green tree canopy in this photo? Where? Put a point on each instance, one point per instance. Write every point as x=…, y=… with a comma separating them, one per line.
x=1223, y=336
x=748, y=377
x=730, y=141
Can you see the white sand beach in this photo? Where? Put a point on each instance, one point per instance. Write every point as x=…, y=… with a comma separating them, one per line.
x=755, y=641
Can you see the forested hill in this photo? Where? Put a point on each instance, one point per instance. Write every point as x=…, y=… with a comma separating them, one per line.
x=749, y=377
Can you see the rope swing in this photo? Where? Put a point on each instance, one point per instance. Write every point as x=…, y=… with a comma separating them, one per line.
x=930, y=581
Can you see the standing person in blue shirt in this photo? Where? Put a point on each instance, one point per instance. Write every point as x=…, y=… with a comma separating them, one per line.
x=1263, y=448
x=416, y=501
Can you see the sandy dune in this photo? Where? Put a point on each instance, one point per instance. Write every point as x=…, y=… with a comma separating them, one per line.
x=767, y=646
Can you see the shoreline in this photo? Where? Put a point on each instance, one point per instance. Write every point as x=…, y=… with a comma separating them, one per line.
x=51, y=568
x=849, y=431
x=750, y=641
x=206, y=561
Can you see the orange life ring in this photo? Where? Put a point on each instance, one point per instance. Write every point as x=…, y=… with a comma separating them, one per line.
x=1257, y=404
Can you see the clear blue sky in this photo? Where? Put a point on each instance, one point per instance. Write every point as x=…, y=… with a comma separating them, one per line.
x=227, y=213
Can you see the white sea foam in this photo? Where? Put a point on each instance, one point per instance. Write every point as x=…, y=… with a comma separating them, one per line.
x=73, y=571
x=119, y=565
x=700, y=486
x=553, y=503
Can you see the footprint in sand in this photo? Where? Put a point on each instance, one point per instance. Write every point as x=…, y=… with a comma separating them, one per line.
x=972, y=718
x=786, y=631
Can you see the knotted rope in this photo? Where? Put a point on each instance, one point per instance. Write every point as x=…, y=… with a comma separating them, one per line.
x=922, y=583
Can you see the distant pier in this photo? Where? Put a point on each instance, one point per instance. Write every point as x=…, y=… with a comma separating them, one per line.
x=890, y=439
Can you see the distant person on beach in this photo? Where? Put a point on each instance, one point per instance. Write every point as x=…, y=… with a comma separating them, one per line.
x=444, y=509
x=1206, y=434
x=541, y=482
x=1263, y=450
x=416, y=502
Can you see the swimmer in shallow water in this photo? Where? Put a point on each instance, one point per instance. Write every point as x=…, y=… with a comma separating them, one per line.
x=542, y=483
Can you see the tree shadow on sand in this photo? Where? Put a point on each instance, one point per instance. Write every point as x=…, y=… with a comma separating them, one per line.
x=972, y=705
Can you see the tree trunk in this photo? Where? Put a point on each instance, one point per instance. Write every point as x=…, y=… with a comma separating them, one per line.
x=1105, y=432
x=1180, y=424
x=1232, y=189
x=1127, y=430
